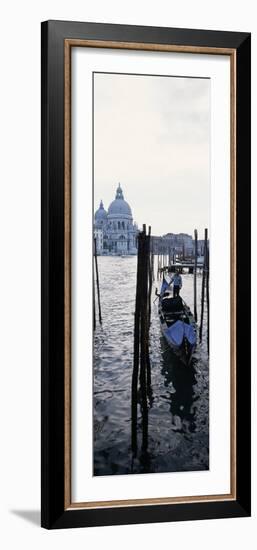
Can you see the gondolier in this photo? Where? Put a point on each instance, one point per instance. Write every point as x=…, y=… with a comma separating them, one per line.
x=177, y=283
x=177, y=322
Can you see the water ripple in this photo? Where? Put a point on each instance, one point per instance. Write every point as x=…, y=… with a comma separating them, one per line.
x=178, y=416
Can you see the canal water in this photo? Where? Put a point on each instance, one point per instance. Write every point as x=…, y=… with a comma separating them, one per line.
x=178, y=417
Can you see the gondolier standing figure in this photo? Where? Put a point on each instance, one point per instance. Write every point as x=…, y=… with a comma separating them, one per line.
x=177, y=283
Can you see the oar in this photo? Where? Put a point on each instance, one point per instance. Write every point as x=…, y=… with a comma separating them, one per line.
x=158, y=295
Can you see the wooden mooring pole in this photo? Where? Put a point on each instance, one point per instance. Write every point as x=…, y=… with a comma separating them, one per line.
x=94, y=318
x=205, y=289
x=149, y=273
x=97, y=284
x=195, y=273
x=144, y=342
x=141, y=366
x=136, y=350
x=207, y=295
x=149, y=282
x=203, y=285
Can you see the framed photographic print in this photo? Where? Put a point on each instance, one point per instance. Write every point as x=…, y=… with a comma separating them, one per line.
x=145, y=274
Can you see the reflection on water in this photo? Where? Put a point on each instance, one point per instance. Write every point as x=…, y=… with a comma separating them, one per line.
x=178, y=415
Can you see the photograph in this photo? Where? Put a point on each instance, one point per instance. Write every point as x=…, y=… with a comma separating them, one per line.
x=151, y=248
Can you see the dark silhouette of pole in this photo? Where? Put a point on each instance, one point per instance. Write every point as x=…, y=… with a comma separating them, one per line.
x=207, y=295
x=136, y=347
x=195, y=272
x=97, y=284
x=144, y=340
x=141, y=365
x=148, y=284
x=94, y=318
x=149, y=272
x=204, y=274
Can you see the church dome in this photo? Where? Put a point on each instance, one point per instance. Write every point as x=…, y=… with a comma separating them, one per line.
x=101, y=214
x=119, y=207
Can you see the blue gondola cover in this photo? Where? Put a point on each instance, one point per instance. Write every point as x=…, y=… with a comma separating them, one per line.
x=175, y=333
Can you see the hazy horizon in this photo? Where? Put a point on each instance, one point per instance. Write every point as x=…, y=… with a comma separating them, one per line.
x=152, y=134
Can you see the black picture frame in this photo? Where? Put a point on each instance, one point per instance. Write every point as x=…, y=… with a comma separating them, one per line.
x=54, y=514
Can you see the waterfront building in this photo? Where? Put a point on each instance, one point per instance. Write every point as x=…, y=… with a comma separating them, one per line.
x=177, y=244
x=173, y=243
x=119, y=232
x=99, y=237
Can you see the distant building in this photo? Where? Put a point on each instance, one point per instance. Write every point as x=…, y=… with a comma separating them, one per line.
x=177, y=244
x=172, y=243
x=99, y=237
x=181, y=242
x=114, y=229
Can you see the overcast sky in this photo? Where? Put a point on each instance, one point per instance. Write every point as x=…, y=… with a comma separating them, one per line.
x=152, y=134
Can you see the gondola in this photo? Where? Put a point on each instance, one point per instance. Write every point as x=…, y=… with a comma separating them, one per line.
x=177, y=323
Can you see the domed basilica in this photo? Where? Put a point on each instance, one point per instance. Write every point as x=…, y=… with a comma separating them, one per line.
x=114, y=230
